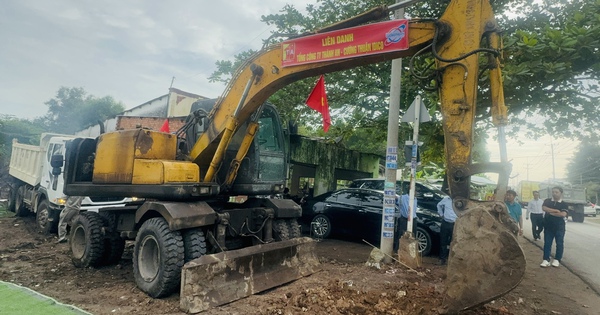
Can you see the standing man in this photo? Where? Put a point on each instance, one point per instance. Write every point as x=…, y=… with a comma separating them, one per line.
x=554, y=226
x=448, y=215
x=534, y=209
x=404, y=212
x=514, y=208
x=67, y=214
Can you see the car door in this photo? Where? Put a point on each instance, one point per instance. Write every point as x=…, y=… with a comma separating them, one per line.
x=342, y=208
x=371, y=209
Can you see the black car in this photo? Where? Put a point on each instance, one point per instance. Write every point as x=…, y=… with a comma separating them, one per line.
x=356, y=214
x=427, y=195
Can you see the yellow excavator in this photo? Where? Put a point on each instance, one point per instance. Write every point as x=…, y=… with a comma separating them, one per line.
x=193, y=231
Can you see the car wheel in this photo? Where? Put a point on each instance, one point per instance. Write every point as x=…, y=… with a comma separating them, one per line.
x=320, y=226
x=424, y=240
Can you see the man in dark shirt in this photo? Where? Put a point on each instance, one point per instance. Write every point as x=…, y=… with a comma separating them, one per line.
x=555, y=215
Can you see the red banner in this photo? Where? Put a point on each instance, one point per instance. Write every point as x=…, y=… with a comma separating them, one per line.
x=347, y=43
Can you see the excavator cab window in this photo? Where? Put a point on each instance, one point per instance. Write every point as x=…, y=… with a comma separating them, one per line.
x=268, y=139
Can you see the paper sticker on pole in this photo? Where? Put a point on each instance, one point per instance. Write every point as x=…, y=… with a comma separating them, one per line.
x=347, y=43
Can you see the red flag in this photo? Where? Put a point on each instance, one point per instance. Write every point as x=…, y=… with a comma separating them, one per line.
x=317, y=100
x=165, y=126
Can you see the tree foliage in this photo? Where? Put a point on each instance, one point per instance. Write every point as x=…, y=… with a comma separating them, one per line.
x=551, y=63
x=584, y=169
x=23, y=130
x=73, y=109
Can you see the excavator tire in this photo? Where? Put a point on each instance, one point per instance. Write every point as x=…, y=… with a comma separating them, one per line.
x=194, y=243
x=157, y=258
x=486, y=260
x=294, y=228
x=281, y=230
x=87, y=240
x=114, y=244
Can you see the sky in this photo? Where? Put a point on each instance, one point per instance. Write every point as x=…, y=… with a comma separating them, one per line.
x=533, y=159
x=130, y=50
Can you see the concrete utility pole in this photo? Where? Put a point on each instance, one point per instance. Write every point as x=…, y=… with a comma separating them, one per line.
x=391, y=160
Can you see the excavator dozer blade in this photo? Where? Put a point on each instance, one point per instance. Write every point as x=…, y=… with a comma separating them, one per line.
x=486, y=260
x=217, y=279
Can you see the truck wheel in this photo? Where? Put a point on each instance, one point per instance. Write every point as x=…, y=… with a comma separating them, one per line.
x=157, y=258
x=294, y=227
x=47, y=220
x=578, y=217
x=194, y=244
x=20, y=206
x=12, y=196
x=114, y=244
x=87, y=240
x=281, y=230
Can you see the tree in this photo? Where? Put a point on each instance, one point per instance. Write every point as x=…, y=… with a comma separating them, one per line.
x=545, y=73
x=584, y=169
x=23, y=130
x=73, y=110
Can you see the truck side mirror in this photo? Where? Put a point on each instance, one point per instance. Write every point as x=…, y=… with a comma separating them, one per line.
x=57, y=161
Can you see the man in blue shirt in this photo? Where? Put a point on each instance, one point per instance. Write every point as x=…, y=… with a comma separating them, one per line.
x=446, y=211
x=514, y=209
x=403, y=219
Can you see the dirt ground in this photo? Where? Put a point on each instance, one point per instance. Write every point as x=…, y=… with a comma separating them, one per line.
x=344, y=286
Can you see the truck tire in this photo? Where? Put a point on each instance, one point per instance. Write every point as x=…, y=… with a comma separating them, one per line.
x=158, y=256
x=114, y=244
x=20, y=206
x=578, y=217
x=12, y=196
x=194, y=244
x=87, y=240
x=46, y=218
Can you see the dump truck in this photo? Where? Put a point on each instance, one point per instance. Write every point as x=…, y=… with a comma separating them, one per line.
x=574, y=195
x=33, y=187
x=188, y=233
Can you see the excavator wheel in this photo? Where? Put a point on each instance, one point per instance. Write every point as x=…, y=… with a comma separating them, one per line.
x=87, y=240
x=157, y=258
x=486, y=260
x=294, y=228
x=281, y=230
x=194, y=243
x=114, y=244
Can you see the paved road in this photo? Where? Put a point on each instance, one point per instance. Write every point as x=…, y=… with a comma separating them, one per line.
x=582, y=249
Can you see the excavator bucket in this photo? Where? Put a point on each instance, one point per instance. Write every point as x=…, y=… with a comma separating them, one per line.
x=217, y=279
x=486, y=260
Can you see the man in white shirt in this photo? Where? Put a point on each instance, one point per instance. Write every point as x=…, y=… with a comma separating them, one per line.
x=534, y=209
x=446, y=211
